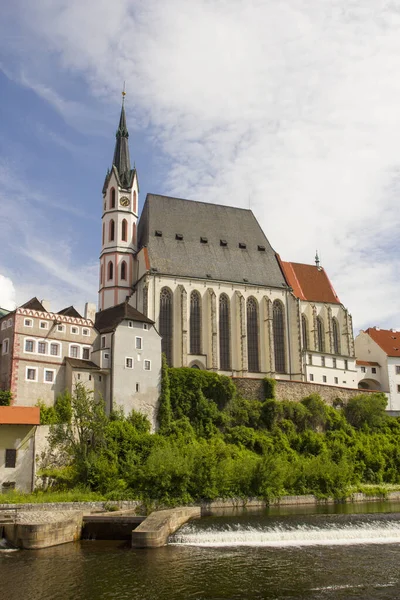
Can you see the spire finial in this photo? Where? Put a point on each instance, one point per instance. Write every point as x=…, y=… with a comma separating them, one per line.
x=317, y=259
x=123, y=94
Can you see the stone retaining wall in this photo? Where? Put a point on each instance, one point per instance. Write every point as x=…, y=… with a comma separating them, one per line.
x=84, y=506
x=154, y=530
x=34, y=530
x=253, y=389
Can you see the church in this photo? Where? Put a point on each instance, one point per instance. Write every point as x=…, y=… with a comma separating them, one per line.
x=220, y=296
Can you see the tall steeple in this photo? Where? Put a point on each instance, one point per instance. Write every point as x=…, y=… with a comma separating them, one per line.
x=121, y=158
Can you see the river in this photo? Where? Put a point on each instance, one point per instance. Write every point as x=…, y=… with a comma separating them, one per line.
x=328, y=552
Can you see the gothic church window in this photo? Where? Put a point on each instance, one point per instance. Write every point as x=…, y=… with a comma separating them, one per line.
x=224, y=334
x=195, y=323
x=112, y=198
x=166, y=325
x=110, y=270
x=252, y=336
x=134, y=233
x=123, y=270
x=111, y=231
x=278, y=325
x=336, y=337
x=124, y=231
x=320, y=335
x=304, y=332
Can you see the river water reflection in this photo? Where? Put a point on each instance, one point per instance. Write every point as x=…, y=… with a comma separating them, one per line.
x=332, y=552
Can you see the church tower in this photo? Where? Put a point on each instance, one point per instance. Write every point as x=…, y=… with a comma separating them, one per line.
x=119, y=222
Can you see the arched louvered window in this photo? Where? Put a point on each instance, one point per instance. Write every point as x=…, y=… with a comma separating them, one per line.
x=336, y=336
x=278, y=325
x=124, y=230
x=252, y=336
x=134, y=201
x=224, y=334
x=112, y=198
x=110, y=270
x=111, y=231
x=123, y=270
x=166, y=323
x=320, y=335
x=195, y=323
x=304, y=332
x=104, y=233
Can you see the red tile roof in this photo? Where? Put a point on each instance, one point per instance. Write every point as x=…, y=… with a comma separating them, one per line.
x=19, y=415
x=309, y=282
x=388, y=340
x=367, y=363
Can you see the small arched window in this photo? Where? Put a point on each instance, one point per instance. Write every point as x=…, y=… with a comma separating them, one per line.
x=112, y=198
x=123, y=270
x=166, y=324
x=195, y=323
x=104, y=233
x=304, y=332
x=134, y=233
x=224, y=334
x=278, y=325
x=124, y=230
x=110, y=271
x=101, y=274
x=252, y=335
x=320, y=335
x=336, y=336
x=111, y=231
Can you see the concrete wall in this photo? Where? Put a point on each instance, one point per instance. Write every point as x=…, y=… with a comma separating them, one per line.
x=20, y=438
x=253, y=389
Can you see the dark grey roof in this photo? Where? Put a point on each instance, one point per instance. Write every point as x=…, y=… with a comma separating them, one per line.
x=34, y=304
x=70, y=311
x=77, y=363
x=110, y=318
x=164, y=220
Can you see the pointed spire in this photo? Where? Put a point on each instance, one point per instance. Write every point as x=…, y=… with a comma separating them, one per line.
x=121, y=158
x=317, y=263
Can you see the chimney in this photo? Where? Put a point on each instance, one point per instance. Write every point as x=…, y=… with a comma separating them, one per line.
x=46, y=305
x=90, y=311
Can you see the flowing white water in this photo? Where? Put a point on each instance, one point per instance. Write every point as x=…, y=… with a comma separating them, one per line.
x=383, y=532
x=5, y=547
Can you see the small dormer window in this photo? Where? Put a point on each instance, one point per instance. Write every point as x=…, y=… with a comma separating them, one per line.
x=223, y=243
x=261, y=248
x=158, y=233
x=204, y=240
x=242, y=245
x=179, y=236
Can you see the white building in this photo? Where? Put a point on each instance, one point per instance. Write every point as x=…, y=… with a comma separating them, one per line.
x=378, y=364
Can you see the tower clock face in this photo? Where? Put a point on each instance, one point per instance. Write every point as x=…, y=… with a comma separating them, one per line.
x=124, y=201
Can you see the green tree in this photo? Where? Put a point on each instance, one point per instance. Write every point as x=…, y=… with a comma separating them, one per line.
x=164, y=408
x=366, y=410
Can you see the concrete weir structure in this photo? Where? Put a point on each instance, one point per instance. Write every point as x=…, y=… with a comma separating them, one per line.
x=33, y=530
x=154, y=530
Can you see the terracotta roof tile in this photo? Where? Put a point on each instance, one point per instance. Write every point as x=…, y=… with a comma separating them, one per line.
x=19, y=415
x=309, y=282
x=387, y=339
x=367, y=363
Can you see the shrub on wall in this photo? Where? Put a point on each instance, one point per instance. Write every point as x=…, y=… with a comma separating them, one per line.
x=5, y=397
x=269, y=388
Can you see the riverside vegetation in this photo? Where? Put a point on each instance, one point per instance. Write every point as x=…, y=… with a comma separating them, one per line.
x=214, y=444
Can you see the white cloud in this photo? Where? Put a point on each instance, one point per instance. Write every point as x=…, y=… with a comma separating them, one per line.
x=7, y=293
x=291, y=107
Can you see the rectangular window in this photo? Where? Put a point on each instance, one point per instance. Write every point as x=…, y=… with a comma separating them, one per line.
x=31, y=374
x=310, y=359
x=324, y=378
x=78, y=376
x=145, y=326
x=373, y=369
x=130, y=323
x=362, y=369
x=54, y=349
x=11, y=458
x=29, y=345
x=147, y=365
x=100, y=378
x=398, y=388
x=138, y=387
x=48, y=376
x=43, y=325
x=90, y=377
x=86, y=353
x=346, y=365
x=85, y=331
x=334, y=363
x=336, y=380
x=5, y=347
x=61, y=328
x=74, y=351
x=74, y=330
x=397, y=369
x=129, y=363
x=322, y=361
x=103, y=341
x=138, y=343
x=311, y=377
x=28, y=323
x=42, y=347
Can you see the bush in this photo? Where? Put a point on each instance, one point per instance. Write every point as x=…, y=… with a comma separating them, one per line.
x=5, y=397
x=269, y=388
x=366, y=410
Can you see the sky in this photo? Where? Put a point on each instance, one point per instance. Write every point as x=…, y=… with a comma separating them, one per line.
x=290, y=108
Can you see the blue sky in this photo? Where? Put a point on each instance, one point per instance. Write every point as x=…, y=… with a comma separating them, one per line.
x=291, y=108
